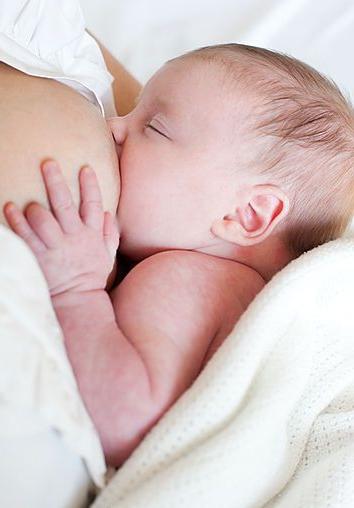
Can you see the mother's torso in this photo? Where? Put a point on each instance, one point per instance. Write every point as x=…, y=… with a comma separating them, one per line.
x=40, y=119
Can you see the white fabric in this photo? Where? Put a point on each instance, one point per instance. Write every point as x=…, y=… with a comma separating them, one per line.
x=144, y=34
x=270, y=421
x=38, y=471
x=49, y=449
x=47, y=38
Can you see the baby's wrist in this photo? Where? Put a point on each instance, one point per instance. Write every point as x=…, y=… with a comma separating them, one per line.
x=72, y=298
x=83, y=316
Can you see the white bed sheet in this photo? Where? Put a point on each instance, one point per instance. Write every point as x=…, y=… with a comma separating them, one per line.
x=145, y=33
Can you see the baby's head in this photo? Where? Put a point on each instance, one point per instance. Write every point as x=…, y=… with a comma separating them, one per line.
x=230, y=147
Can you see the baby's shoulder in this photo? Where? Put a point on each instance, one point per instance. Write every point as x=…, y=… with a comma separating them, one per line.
x=212, y=271
x=219, y=288
x=236, y=285
x=240, y=285
x=193, y=299
x=203, y=276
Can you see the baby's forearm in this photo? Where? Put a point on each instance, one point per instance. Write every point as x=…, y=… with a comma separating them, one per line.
x=112, y=378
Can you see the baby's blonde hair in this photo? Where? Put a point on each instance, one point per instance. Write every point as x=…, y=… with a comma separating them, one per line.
x=309, y=128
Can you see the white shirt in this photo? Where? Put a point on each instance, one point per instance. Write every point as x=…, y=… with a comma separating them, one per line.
x=47, y=38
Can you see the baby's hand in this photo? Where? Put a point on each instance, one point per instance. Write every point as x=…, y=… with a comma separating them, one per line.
x=76, y=250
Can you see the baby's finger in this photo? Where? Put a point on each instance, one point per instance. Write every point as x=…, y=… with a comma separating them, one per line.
x=60, y=198
x=111, y=234
x=44, y=225
x=20, y=226
x=91, y=208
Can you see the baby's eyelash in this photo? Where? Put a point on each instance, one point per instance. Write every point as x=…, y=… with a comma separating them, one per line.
x=148, y=125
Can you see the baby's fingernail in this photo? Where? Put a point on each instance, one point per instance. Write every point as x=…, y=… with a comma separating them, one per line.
x=49, y=166
x=10, y=207
x=87, y=170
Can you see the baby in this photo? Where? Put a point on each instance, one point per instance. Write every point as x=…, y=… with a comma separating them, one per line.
x=234, y=161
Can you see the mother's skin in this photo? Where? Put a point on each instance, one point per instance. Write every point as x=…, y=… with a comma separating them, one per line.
x=40, y=119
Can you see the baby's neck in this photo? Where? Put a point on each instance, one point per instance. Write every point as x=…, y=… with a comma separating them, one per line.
x=266, y=258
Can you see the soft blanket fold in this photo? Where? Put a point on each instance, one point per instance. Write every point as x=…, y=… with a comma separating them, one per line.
x=270, y=421
x=38, y=392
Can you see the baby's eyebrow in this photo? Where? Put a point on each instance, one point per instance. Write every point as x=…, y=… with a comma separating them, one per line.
x=156, y=102
x=162, y=104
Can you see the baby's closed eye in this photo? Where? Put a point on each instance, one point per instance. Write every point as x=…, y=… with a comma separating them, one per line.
x=155, y=127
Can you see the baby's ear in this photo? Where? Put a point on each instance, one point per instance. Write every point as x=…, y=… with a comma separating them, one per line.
x=262, y=209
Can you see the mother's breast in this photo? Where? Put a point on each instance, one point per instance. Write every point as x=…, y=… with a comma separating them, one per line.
x=40, y=119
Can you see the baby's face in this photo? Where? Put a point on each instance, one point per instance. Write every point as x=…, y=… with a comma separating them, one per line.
x=179, y=152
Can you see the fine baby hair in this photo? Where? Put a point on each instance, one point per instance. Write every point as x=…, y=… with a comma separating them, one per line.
x=302, y=134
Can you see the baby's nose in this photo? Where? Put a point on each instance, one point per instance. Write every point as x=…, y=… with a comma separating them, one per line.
x=118, y=126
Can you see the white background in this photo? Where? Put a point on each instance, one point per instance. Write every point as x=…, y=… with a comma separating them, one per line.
x=145, y=33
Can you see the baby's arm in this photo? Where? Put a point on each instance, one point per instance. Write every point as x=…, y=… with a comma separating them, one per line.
x=132, y=360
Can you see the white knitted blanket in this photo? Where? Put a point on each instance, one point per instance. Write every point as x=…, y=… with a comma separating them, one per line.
x=270, y=421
